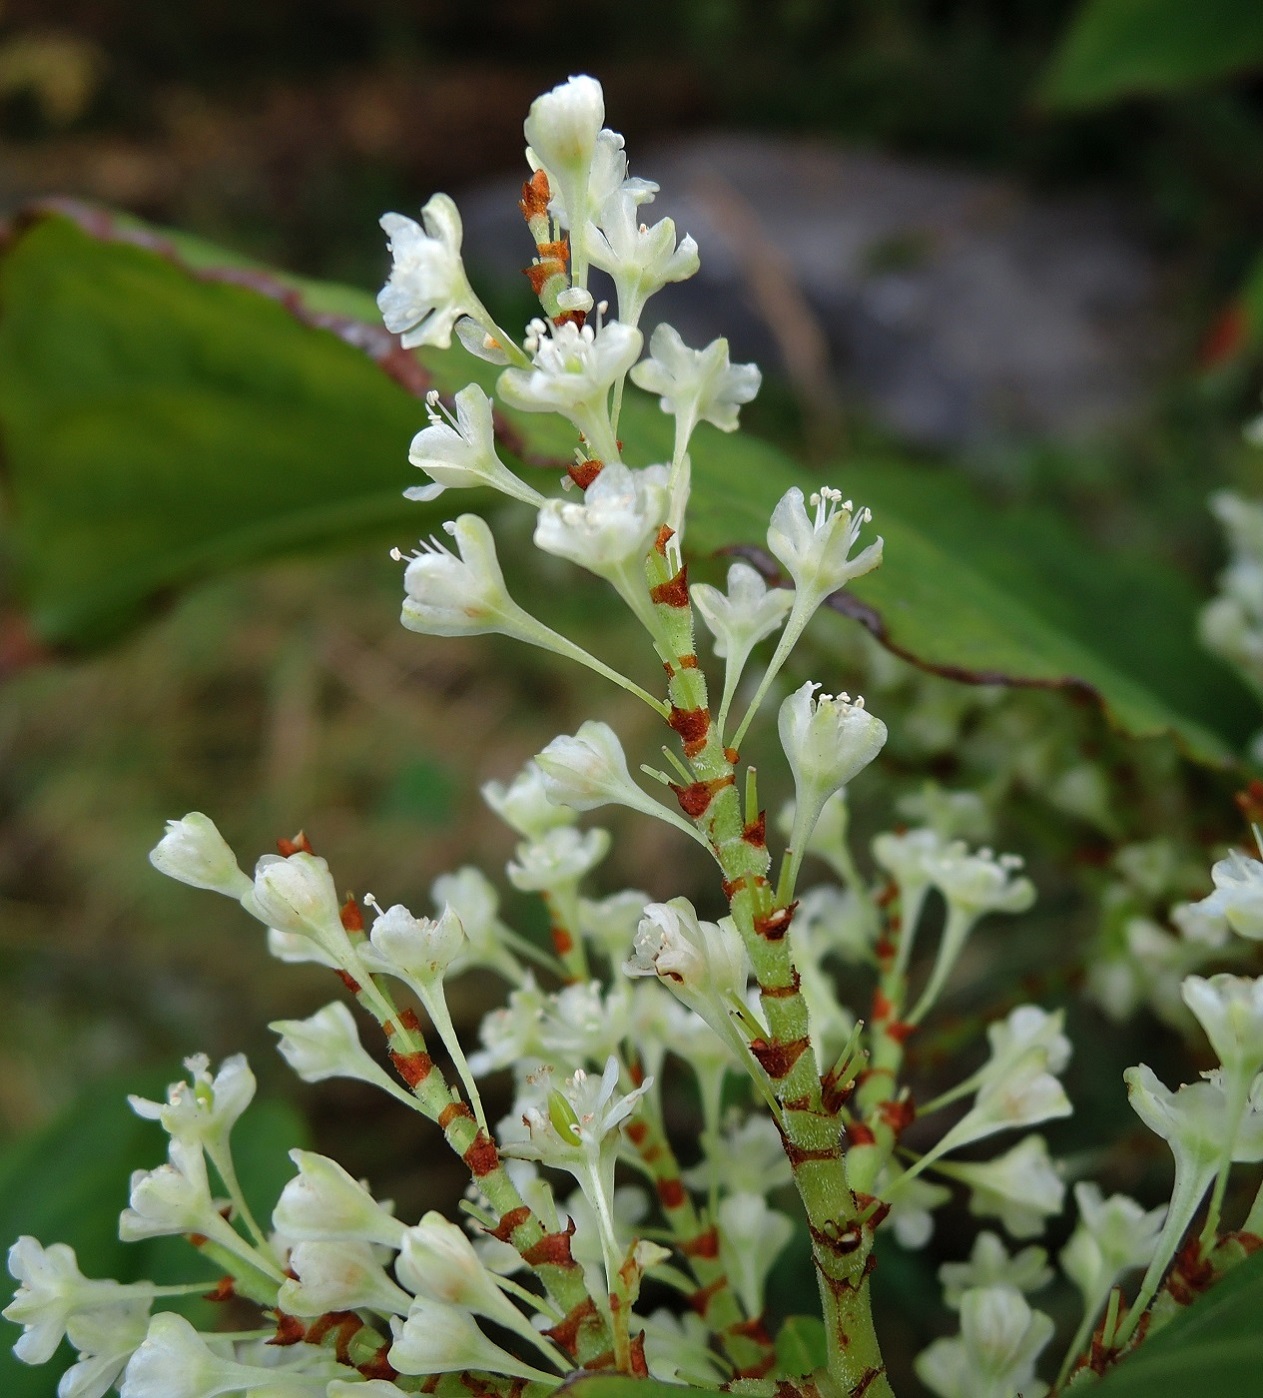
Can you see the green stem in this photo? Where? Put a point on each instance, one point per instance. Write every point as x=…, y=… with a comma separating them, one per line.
x=841, y=1241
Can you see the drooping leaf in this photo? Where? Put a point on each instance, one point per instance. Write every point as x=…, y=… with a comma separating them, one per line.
x=1117, y=47
x=163, y=417
x=1216, y=1345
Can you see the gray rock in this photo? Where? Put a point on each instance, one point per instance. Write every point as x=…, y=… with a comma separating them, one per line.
x=954, y=307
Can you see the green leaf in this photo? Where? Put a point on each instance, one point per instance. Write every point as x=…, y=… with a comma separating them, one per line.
x=801, y=1346
x=1117, y=47
x=1216, y=1344
x=164, y=416
x=68, y=1183
x=158, y=426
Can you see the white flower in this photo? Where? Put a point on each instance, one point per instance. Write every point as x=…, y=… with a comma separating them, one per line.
x=510, y=1033
x=175, y=1362
x=696, y=385
x=1020, y=1091
x=175, y=1198
x=749, y=613
x=571, y=373
x=994, y=1355
x=524, y=803
x=1196, y=923
x=558, y=858
x=1113, y=1236
x=203, y=1112
x=972, y=885
x=703, y=963
x=610, y=923
x=1195, y=1121
x=749, y=1158
x=911, y=1216
x=460, y=452
x=194, y=852
x=1201, y=1125
x=562, y=131
x=575, y=1128
x=105, y=1340
x=1026, y=1029
x=439, y=1339
x=582, y=1022
x=950, y=814
x=906, y=858
x=427, y=291
x=816, y=553
x=641, y=260
x=439, y=1263
x=746, y=615
x=1238, y=895
x=51, y=1289
x=1022, y=1188
x=419, y=949
x=322, y=1203
x=980, y=882
x=589, y=770
x=613, y=528
x=327, y=1045
x=677, y=1349
x=339, y=1276
x=990, y=1265
x=752, y=1237
x=828, y=741
x=473, y=898
x=833, y=921
x=1230, y=1010
x=465, y=596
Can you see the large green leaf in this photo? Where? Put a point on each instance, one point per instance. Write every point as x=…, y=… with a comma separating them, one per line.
x=68, y=1182
x=1116, y=47
x=164, y=415
x=1216, y=1345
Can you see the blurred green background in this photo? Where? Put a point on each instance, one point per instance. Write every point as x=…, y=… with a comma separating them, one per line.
x=289, y=697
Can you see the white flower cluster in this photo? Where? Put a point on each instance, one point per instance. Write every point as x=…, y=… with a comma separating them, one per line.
x=356, y=1303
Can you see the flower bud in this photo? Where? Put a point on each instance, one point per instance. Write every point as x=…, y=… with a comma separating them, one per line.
x=322, y=1203
x=327, y=1045
x=297, y=895
x=339, y=1276
x=439, y=1339
x=194, y=852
